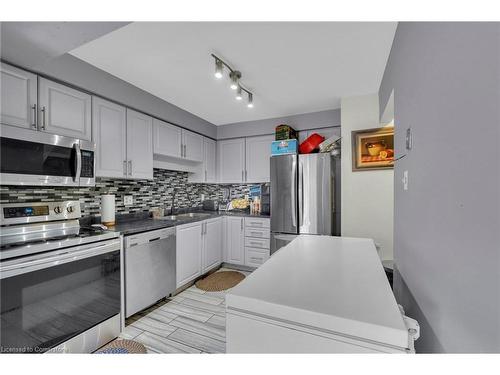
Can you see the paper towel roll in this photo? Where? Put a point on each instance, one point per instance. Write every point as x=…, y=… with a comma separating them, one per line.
x=108, y=209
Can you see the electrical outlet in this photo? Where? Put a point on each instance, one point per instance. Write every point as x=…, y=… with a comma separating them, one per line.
x=128, y=200
x=405, y=180
x=202, y=197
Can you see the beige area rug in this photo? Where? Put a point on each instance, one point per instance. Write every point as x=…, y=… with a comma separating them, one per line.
x=219, y=281
x=122, y=346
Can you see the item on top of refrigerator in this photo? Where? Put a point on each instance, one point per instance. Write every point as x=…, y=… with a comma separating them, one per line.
x=329, y=144
x=286, y=146
x=284, y=132
x=311, y=143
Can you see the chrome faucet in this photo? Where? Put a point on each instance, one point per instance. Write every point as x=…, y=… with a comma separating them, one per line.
x=174, y=192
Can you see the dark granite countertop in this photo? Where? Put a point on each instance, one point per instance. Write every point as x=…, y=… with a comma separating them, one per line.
x=128, y=224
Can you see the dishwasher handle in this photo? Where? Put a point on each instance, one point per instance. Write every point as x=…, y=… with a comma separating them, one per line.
x=147, y=237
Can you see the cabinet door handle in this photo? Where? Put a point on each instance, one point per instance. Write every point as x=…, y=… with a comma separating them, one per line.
x=124, y=167
x=205, y=175
x=242, y=224
x=242, y=175
x=185, y=150
x=33, y=125
x=130, y=167
x=43, y=118
x=245, y=175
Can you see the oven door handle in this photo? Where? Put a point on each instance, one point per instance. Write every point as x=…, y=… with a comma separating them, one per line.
x=43, y=261
x=78, y=172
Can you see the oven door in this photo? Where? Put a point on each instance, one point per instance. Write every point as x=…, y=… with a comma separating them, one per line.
x=47, y=299
x=36, y=158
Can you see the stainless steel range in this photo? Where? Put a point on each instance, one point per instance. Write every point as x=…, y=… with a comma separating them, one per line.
x=60, y=282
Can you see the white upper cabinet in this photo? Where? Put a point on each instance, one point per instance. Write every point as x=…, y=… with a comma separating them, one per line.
x=258, y=153
x=64, y=110
x=209, y=161
x=167, y=139
x=18, y=97
x=139, y=145
x=231, y=160
x=192, y=144
x=205, y=172
x=109, y=129
x=212, y=244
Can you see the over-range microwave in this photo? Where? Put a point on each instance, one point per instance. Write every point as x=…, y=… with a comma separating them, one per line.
x=37, y=158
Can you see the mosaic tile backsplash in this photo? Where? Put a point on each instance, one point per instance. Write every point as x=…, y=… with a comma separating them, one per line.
x=146, y=194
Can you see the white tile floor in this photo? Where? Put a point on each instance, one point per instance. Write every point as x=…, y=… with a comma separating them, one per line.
x=194, y=321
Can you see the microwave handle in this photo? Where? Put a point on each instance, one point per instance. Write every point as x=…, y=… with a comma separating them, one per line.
x=78, y=162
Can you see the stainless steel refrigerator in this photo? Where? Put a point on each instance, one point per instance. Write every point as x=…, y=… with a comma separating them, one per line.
x=305, y=197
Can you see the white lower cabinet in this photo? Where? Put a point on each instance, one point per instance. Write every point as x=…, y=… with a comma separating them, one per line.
x=199, y=249
x=235, y=240
x=189, y=249
x=212, y=244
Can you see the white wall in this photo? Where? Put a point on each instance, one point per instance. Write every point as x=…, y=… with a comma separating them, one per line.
x=367, y=196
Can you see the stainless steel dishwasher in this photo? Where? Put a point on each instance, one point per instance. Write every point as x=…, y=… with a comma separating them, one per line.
x=149, y=268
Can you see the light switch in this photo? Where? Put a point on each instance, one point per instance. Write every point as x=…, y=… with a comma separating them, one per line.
x=405, y=180
x=128, y=200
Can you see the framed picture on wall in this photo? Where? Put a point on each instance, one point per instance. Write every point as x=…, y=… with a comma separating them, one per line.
x=373, y=149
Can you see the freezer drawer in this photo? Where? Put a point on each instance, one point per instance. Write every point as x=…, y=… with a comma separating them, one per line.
x=150, y=260
x=278, y=240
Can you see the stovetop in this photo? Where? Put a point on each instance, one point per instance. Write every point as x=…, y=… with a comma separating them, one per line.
x=26, y=240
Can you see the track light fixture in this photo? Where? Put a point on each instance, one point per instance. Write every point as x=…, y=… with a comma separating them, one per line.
x=238, y=93
x=250, y=100
x=235, y=78
x=218, y=68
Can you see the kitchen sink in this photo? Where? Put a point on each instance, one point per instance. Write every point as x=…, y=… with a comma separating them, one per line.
x=170, y=217
x=192, y=215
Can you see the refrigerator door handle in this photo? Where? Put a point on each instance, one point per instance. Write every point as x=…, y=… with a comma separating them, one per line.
x=301, y=194
x=294, y=193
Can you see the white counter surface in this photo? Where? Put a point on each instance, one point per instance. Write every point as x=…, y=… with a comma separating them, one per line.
x=330, y=283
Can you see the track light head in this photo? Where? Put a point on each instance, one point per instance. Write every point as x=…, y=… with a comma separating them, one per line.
x=250, y=100
x=218, y=68
x=239, y=95
x=235, y=77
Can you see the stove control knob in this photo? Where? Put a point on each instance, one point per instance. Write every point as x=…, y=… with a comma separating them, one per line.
x=70, y=209
x=57, y=209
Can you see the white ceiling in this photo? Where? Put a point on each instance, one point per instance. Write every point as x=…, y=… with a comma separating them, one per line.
x=292, y=68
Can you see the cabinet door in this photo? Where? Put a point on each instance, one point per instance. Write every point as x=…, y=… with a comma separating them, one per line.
x=235, y=237
x=212, y=244
x=17, y=97
x=231, y=160
x=167, y=139
x=109, y=127
x=258, y=154
x=188, y=257
x=64, y=110
x=193, y=146
x=139, y=145
x=209, y=160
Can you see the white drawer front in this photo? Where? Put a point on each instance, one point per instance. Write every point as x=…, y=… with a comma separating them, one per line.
x=257, y=232
x=255, y=257
x=255, y=222
x=261, y=243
